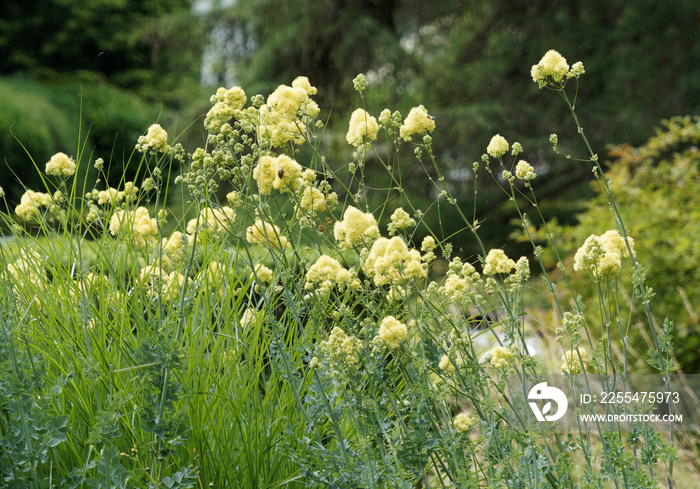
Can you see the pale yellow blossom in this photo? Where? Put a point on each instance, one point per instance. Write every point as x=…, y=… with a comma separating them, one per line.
x=136, y=223
x=266, y=234
x=227, y=103
x=31, y=204
x=326, y=273
x=417, y=122
x=552, y=66
x=498, y=146
x=356, y=228
x=463, y=421
x=263, y=273
x=211, y=220
x=571, y=362
x=392, y=332
x=498, y=262
x=157, y=138
x=391, y=262
x=501, y=357
x=400, y=219
x=363, y=127
x=60, y=165
x=524, y=170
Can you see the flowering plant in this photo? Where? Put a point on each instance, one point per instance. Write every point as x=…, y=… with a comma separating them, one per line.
x=286, y=329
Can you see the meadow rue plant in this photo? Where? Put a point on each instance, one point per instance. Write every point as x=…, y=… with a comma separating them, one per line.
x=280, y=338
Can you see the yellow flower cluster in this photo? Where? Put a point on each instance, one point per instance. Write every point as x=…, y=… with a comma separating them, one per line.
x=138, y=223
x=60, y=165
x=501, y=357
x=110, y=196
x=417, y=122
x=552, y=65
x=602, y=255
x=226, y=104
x=524, y=171
x=313, y=200
x=553, y=68
x=157, y=138
x=571, y=363
x=176, y=244
x=498, y=262
x=284, y=116
x=326, y=273
x=249, y=317
x=266, y=234
x=264, y=274
x=158, y=282
x=400, y=219
x=391, y=262
x=448, y=366
x=362, y=125
x=281, y=173
x=356, y=228
x=392, y=332
x=463, y=422
x=30, y=204
x=498, y=146
x=27, y=270
x=340, y=349
x=211, y=220
x=459, y=283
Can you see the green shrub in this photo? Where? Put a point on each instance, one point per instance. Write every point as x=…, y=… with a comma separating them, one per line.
x=30, y=116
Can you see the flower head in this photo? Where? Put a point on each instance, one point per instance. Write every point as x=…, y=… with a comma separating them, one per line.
x=266, y=234
x=463, y=422
x=60, y=165
x=288, y=177
x=498, y=262
x=30, y=204
x=602, y=255
x=326, y=273
x=524, y=171
x=227, y=103
x=571, y=363
x=362, y=127
x=498, y=146
x=356, y=228
x=157, y=138
x=313, y=200
x=392, y=331
x=400, y=219
x=417, y=122
x=552, y=66
x=138, y=223
x=211, y=219
x=391, y=262
x=284, y=116
x=501, y=357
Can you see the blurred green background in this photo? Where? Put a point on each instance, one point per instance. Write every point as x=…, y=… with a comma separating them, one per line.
x=87, y=78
